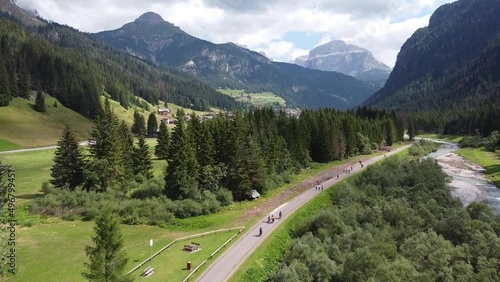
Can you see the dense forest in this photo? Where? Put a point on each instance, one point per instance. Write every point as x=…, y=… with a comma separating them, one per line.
x=209, y=163
x=396, y=222
x=76, y=70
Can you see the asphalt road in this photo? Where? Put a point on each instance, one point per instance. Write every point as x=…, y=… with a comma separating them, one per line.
x=227, y=264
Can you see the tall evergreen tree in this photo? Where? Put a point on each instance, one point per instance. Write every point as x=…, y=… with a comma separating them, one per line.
x=139, y=125
x=107, y=259
x=163, y=141
x=69, y=165
x=126, y=146
x=152, y=125
x=182, y=171
x=142, y=158
x=5, y=95
x=105, y=166
x=40, y=102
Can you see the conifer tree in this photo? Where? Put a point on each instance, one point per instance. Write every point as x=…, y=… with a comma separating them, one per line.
x=68, y=168
x=40, y=102
x=5, y=95
x=163, y=141
x=152, y=125
x=126, y=147
x=182, y=171
x=138, y=126
x=105, y=166
x=106, y=259
x=142, y=158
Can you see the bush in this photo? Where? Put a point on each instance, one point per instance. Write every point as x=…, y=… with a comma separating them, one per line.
x=471, y=142
x=225, y=197
x=188, y=208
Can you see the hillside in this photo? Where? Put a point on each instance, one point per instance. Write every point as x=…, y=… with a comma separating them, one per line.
x=75, y=69
x=450, y=65
x=230, y=66
x=21, y=125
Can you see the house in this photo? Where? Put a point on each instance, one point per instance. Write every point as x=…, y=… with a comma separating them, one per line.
x=163, y=111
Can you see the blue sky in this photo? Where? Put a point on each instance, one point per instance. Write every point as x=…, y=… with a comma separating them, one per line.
x=282, y=29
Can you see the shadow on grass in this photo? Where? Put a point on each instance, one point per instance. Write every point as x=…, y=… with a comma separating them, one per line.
x=30, y=196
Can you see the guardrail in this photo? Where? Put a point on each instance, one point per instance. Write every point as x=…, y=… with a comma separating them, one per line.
x=214, y=253
x=182, y=239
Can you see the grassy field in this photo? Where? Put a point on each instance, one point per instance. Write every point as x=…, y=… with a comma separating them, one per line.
x=6, y=145
x=488, y=160
x=447, y=138
x=255, y=99
x=22, y=126
x=33, y=168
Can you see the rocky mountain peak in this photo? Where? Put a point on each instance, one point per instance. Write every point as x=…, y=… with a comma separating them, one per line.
x=347, y=59
x=150, y=17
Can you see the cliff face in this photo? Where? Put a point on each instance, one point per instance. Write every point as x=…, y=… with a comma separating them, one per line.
x=347, y=59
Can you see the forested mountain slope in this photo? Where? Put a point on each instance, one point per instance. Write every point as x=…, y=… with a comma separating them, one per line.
x=229, y=65
x=451, y=65
x=75, y=69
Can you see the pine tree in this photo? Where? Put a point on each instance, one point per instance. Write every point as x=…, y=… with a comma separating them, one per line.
x=40, y=102
x=142, y=158
x=138, y=125
x=182, y=171
x=107, y=259
x=152, y=125
x=126, y=146
x=69, y=165
x=5, y=95
x=105, y=166
x=163, y=141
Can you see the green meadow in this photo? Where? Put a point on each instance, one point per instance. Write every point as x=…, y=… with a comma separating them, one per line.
x=256, y=99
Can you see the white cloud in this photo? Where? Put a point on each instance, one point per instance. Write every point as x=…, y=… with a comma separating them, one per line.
x=380, y=26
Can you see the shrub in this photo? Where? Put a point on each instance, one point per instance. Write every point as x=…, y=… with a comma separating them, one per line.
x=188, y=208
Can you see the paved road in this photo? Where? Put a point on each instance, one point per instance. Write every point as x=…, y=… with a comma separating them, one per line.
x=225, y=266
x=84, y=143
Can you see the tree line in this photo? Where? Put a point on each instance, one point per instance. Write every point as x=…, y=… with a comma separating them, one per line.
x=211, y=162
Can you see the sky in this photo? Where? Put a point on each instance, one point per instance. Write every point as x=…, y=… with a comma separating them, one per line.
x=282, y=29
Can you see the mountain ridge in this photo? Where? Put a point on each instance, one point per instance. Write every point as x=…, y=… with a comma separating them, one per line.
x=229, y=65
x=348, y=59
x=441, y=57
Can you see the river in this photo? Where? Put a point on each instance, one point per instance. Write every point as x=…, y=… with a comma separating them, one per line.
x=469, y=183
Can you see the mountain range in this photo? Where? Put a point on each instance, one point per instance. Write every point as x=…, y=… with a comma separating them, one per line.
x=347, y=59
x=228, y=65
x=451, y=65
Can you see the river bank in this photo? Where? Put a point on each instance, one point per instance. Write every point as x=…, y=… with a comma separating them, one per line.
x=462, y=172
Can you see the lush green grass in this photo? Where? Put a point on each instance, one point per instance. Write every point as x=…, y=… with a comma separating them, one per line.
x=32, y=169
x=55, y=252
x=256, y=99
x=447, y=138
x=21, y=125
x=488, y=160
x=171, y=264
x=6, y=145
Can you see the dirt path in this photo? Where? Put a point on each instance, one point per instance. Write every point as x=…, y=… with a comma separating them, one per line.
x=227, y=264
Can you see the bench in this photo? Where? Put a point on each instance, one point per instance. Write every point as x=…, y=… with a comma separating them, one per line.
x=196, y=244
x=148, y=271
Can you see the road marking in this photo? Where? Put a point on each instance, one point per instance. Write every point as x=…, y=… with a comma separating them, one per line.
x=278, y=208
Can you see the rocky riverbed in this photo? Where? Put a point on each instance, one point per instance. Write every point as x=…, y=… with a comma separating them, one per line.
x=466, y=176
